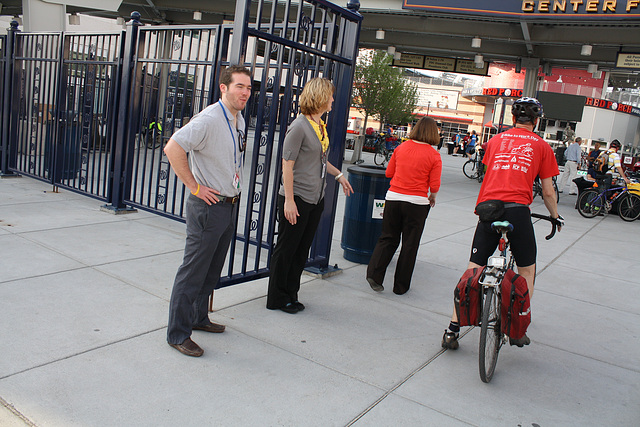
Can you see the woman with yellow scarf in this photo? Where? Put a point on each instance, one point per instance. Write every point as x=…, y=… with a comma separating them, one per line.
x=301, y=196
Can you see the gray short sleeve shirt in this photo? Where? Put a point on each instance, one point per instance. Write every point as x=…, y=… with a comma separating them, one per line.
x=302, y=145
x=213, y=146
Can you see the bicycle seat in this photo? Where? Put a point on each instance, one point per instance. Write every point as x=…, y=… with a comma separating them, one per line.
x=502, y=226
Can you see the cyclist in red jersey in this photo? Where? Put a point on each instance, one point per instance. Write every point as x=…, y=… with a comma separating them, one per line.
x=513, y=160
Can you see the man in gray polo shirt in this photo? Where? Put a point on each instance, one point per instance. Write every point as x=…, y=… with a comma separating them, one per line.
x=214, y=139
x=572, y=155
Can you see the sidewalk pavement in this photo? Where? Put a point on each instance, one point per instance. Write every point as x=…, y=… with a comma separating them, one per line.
x=83, y=308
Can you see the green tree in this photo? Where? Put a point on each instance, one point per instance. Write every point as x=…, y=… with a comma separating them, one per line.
x=381, y=92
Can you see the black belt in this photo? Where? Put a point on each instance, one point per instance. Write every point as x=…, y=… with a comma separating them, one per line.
x=514, y=205
x=227, y=199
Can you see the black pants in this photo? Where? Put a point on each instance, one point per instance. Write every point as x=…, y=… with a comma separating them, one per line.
x=401, y=219
x=522, y=238
x=291, y=252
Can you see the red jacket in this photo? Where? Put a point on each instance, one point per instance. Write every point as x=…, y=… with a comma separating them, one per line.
x=414, y=168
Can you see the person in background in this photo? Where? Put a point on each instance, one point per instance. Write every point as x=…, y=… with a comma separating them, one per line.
x=615, y=166
x=568, y=134
x=415, y=169
x=572, y=155
x=471, y=144
x=593, y=155
x=389, y=132
x=214, y=139
x=465, y=142
x=459, y=144
x=301, y=195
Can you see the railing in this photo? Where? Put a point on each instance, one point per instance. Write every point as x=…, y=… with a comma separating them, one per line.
x=91, y=112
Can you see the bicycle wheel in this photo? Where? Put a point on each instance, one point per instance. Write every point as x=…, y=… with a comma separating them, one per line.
x=379, y=158
x=590, y=204
x=481, y=172
x=388, y=156
x=629, y=207
x=469, y=169
x=490, y=335
x=537, y=189
x=154, y=142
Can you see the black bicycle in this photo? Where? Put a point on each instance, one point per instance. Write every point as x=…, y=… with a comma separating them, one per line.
x=383, y=154
x=594, y=201
x=537, y=188
x=151, y=136
x=474, y=168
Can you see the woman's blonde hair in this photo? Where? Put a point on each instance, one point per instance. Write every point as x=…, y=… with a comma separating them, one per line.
x=426, y=130
x=316, y=95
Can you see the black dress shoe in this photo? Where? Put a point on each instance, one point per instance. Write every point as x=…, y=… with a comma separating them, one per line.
x=210, y=327
x=374, y=285
x=299, y=305
x=290, y=308
x=189, y=348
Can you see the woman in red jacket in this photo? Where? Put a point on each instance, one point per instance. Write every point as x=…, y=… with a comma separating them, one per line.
x=415, y=168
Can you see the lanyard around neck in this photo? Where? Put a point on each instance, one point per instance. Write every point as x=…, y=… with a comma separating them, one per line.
x=235, y=159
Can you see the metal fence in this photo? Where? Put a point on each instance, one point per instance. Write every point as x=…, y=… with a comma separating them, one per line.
x=35, y=100
x=287, y=44
x=92, y=112
x=63, y=93
x=4, y=118
x=89, y=86
x=175, y=68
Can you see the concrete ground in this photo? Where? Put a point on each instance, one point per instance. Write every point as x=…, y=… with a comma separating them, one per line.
x=83, y=309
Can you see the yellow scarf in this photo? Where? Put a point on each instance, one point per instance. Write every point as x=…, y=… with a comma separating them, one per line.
x=321, y=132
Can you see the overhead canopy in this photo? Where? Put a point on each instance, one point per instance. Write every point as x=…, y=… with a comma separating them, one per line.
x=107, y=5
x=532, y=9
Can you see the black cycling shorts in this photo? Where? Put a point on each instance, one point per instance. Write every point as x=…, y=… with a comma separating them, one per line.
x=522, y=239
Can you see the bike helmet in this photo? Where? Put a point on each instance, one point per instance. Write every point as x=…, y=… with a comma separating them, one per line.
x=615, y=143
x=527, y=110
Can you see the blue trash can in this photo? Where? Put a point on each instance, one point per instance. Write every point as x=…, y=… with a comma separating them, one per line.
x=363, y=212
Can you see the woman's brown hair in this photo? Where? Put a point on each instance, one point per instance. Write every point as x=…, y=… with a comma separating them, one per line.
x=426, y=130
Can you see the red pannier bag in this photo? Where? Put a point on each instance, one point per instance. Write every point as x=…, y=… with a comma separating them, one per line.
x=515, y=307
x=467, y=297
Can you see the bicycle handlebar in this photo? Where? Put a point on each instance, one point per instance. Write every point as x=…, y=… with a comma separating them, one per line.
x=553, y=221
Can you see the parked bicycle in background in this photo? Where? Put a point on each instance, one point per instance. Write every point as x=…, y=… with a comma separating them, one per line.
x=384, y=149
x=151, y=135
x=600, y=200
x=537, y=188
x=474, y=168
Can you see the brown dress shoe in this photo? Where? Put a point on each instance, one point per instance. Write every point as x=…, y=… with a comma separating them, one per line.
x=189, y=348
x=210, y=327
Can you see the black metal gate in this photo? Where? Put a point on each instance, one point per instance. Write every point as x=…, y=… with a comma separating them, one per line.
x=285, y=45
x=63, y=95
x=34, y=102
x=86, y=114
x=92, y=112
x=4, y=106
x=175, y=69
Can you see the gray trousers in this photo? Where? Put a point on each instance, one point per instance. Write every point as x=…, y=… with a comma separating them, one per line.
x=209, y=233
